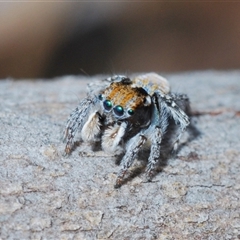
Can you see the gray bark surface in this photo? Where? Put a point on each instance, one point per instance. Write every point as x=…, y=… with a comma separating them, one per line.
x=45, y=195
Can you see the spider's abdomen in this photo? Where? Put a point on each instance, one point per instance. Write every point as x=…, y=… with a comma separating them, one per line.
x=152, y=82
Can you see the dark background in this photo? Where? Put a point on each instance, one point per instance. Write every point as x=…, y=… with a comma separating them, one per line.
x=43, y=40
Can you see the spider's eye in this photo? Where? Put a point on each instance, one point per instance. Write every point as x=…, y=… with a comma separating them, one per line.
x=100, y=97
x=107, y=105
x=118, y=110
x=130, y=112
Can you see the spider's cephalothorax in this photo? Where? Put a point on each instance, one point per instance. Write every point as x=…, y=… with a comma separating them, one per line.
x=123, y=114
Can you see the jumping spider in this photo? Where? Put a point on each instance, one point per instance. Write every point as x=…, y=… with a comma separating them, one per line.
x=124, y=114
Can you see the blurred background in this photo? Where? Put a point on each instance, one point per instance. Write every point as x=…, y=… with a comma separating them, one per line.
x=47, y=39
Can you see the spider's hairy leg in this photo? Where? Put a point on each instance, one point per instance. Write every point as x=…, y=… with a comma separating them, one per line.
x=183, y=103
x=76, y=121
x=154, y=157
x=132, y=149
x=155, y=134
x=171, y=104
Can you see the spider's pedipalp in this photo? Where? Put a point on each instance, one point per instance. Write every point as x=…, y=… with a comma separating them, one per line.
x=91, y=129
x=112, y=138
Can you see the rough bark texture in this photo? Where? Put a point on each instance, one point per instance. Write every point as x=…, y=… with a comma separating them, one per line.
x=44, y=195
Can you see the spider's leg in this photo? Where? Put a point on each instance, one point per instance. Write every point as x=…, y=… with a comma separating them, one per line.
x=171, y=104
x=133, y=147
x=183, y=103
x=154, y=157
x=76, y=121
x=154, y=133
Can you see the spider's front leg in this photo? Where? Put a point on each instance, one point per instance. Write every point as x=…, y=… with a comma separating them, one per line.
x=132, y=149
x=154, y=157
x=76, y=121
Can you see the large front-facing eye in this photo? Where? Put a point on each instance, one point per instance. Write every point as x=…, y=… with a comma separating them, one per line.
x=107, y=105
x=118, y=110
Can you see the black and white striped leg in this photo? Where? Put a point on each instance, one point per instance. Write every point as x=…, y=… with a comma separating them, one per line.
x=133, y=147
